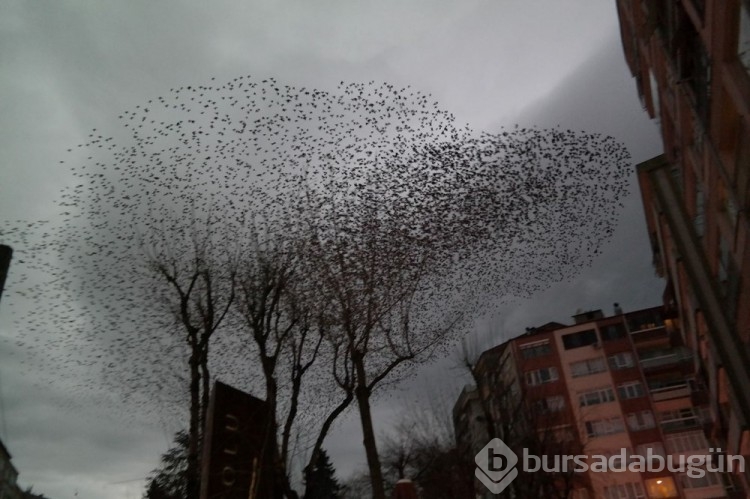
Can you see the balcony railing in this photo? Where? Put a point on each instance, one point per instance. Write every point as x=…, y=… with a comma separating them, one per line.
x=646, y=327
x=674, y=357
x=649, y=333
x=683, y=423
x=670, y=392
x=645, y=321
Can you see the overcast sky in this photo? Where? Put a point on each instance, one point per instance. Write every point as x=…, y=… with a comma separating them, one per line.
x=69, y=67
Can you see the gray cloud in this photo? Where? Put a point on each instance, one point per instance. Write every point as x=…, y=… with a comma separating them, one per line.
x=598, y=96
x=67, y=67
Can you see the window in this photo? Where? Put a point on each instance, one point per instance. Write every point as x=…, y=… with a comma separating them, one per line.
x=724, y=257
x=653, y=449
x=631, y=490
x=654, y=87
x=614, y=453
x=687, y=417
x=554, y=403
x=686, y=442
x=536, y=349
x=540, y=376
x=612, y=332
x=599, y=396
x=599, y=427
x=662, y=486
x=709, y=479
x=704, y=413
x=577, y=340
x=685, y=412
x=621, y=360
x=580, y=493
x=642, y=420
x=729, y=277
x=586, y=367
x=631, y=390
x=699, y=221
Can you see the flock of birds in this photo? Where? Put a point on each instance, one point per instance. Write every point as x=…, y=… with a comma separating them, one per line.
x=366, y=167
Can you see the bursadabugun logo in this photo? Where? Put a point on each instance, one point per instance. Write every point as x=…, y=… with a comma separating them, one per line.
x=496, y=466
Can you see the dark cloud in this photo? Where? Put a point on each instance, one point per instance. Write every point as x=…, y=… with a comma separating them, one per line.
x=70, y=67
x=60, y=449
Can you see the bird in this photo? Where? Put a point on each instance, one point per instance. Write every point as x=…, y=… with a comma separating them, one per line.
x=383, y=202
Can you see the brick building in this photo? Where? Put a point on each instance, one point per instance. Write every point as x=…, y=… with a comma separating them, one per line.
x=691, y=62
x=596, y=387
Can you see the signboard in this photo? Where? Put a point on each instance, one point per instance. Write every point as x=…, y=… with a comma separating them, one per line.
x=238, y=447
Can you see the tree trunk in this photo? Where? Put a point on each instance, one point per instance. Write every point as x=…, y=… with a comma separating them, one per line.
x=193, y=464
x=291, y=415
x=321, y=437
x=368, y=432
x=206, y=390
x=277, y=465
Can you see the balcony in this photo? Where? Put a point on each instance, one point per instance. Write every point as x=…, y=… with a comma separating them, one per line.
x=689, y=422
x=722, y=339
x=670, y=391
x=665, y=358
x=687, y=418
x=644, y=321
x=646, y=327
x=649, y=333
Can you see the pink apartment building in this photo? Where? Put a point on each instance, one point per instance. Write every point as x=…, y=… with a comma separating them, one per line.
x=595, y=387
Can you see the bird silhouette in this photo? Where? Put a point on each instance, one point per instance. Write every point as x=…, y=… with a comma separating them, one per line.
x=381, y=184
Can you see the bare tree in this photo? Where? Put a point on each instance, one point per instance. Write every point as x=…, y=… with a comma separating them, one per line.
x=286, y=331
x=376, y=279
x=422, y=447
x=357, y=487
x=196, y=284
x=288, y=325
x=342, y=373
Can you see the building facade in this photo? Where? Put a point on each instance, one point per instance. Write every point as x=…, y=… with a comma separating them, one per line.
x=469, y=422
x=691, y=63
x=620, y=385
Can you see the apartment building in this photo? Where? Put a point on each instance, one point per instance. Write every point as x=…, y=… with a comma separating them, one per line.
x=596, y=387
x=469, y=421
x=691, y=63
